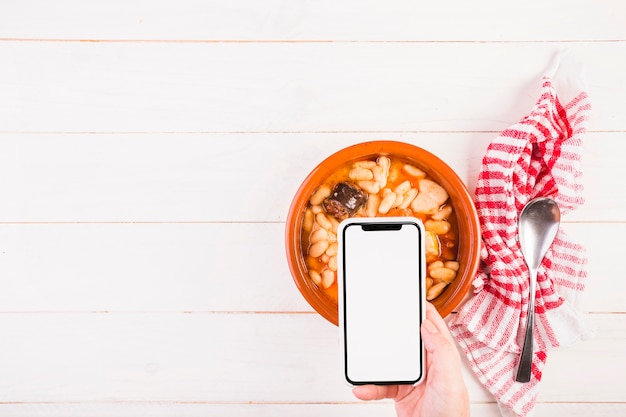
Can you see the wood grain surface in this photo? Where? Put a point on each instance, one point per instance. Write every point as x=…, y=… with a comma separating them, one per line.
x=149, y=152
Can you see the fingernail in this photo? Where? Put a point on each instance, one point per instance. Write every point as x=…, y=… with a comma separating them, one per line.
x=430, y=326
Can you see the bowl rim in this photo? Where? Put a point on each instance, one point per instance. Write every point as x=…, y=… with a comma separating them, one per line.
x=436, y=168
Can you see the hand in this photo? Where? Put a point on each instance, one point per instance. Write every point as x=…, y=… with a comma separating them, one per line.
x=443, y=393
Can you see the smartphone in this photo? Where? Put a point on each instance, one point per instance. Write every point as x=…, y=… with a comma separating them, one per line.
x=381, y=277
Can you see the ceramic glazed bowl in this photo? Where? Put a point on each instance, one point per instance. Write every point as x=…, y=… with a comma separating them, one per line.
x=461, y=200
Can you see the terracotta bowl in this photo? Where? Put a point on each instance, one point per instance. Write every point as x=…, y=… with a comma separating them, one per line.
x=439, y=171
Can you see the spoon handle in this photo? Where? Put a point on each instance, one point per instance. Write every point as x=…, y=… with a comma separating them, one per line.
x=526, y=358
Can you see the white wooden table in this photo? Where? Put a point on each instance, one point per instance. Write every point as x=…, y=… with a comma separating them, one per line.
x=149, y=151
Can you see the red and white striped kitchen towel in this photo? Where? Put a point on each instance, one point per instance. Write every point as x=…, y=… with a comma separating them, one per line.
x=539, y=156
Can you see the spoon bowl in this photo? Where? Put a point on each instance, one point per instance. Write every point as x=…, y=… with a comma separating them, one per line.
x=538, y=225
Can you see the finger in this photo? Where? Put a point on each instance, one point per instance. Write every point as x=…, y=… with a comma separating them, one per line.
x=374, y=392
x=435, y=339
x=441, y=349
x=433, y=315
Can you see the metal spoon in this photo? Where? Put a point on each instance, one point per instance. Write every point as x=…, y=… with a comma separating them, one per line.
x=538, y=224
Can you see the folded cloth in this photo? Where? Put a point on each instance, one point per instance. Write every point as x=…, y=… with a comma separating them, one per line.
x=539, y=156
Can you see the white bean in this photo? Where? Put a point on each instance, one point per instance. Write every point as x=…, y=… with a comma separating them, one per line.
x=453, y=265
x=372, y=205
x=335, y=224
x=317, y=209
x=360, y=174
x=384, y=162
x=413, y=171
x=323, y=221
x=444, y=274
x=402, y=188
x=364, y=164
x=408, y=198
x=435, y=291
x=394, y=174
x=398, y=201
x=371, y=187
x=332, y=249
x=328, y=278
x=307, y=222
x=387, y=203
x=319, y=234
x=332, y=263
x=443, y=213
x=380, y=176
x=320, y=194
x=432, y=245
x=440, y=227
x=316, y=277
x=436, y=264
x=317, y=249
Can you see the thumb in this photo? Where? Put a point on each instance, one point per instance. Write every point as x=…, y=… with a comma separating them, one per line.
x=440, y=346
x=444, y=362
x=374, y=392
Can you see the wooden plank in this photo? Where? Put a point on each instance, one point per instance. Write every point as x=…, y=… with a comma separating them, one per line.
x=204, y=177
x=152, y=357
x=602, y=289
x=578, y=373
x=249, y=177
x=485, y=20
x=197, y=268
x=181, y=409
x=234, y=87
x=378, y=409
x=122, y=287
x=146, y=267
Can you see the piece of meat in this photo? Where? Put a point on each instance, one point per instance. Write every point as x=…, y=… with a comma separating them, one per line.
x=345, y=200
x=430, y=198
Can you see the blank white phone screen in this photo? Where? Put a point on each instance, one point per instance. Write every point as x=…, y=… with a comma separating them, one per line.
x=382, y=308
